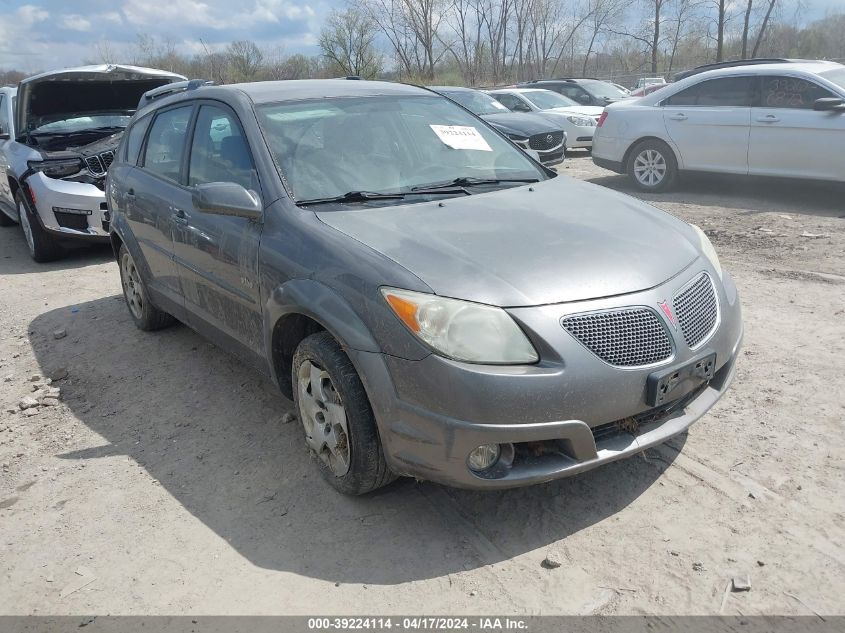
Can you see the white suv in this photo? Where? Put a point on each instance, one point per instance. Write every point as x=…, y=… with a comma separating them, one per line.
x=783, y=118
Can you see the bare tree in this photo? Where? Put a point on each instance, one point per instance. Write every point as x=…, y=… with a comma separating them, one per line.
x=467, y=48
x=245, y=58
x=348, y=42
x=105, y=52
x=721, y=19
x=762, y=30
x=745, y=25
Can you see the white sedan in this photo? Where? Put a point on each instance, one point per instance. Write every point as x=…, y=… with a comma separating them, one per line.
x=578, y=121
x=784, y=118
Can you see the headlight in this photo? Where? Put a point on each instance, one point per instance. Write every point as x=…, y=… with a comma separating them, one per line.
x=581, y=121
x=708, y=250
x=462, y=330
x=57, y=168
x=522, y=141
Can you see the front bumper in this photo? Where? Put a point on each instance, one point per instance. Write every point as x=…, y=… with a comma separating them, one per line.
x=433, y=412
x=70, y=210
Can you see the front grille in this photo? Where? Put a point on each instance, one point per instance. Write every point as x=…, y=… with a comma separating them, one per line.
x=630, y=337
x=95, y=166
x=551, y=157
x=76, y=221
x=543, y=142
x=697, y=310
x=98, y=165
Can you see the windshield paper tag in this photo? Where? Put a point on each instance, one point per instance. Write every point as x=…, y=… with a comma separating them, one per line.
x=461, y=137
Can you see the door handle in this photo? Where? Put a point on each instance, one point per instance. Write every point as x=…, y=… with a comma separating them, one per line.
x=679, y=117
x=179, y=215
x=769, y=118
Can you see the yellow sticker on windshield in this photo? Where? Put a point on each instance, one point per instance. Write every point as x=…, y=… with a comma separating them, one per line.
x=461, y=137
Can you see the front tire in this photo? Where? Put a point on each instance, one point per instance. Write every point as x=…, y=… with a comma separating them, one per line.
x=340, y=428
x=146, y=316
x=652, y=166
x=42, y=247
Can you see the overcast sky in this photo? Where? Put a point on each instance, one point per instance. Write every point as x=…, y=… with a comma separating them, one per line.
x=47, y=34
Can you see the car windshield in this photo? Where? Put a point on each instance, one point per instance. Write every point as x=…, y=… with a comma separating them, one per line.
x=836, y=76
x=330, y=147
x=546, y=99
x=78, y=123
x=476, y=102
x=603, y=90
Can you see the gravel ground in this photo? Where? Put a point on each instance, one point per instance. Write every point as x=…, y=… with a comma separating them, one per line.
x=164, y=478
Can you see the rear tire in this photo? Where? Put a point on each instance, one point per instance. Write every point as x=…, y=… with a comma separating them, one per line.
x=339, y=425
x=146, y=316
x=652, y=166
x=42, y=247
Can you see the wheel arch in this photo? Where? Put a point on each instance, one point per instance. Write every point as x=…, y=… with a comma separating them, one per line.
x=301, y=307
x=648, y=137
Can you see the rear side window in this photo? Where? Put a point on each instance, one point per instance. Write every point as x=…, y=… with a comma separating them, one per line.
x=791, y=92
x=219, y=152
x=725, y=92
x=166, y=143
x=135, y=138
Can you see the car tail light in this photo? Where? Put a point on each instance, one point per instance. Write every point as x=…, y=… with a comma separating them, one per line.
x=602, y=118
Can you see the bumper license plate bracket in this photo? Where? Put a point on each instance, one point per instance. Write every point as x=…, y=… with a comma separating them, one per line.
x=673, y=383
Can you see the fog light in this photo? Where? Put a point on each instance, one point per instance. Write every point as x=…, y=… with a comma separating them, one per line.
x=483, y=457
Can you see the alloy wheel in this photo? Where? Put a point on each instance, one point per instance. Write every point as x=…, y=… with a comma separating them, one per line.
x=26, y=226
x=650, y=167
x=323, y=417
x=133, y=290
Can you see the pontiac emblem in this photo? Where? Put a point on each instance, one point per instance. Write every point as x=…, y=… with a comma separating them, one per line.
x=670, y=316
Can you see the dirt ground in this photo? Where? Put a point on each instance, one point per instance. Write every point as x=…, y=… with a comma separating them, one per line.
x=165, y=481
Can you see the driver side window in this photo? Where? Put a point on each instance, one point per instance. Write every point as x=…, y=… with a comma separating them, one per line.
x=507, y=100
x=219, y=151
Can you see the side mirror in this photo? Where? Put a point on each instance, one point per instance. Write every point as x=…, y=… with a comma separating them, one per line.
x=829, y=103
x=227, y=198
x=4, y=134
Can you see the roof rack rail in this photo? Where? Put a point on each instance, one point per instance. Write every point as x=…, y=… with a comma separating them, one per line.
x=731, y=64
x=169, y=89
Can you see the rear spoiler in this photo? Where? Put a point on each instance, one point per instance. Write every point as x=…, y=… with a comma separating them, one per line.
x=169, y=89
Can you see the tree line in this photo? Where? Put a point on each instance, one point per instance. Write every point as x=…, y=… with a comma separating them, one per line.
x=494, y=42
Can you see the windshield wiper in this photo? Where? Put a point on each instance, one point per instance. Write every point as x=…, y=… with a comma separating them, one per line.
x=352, y=196
x=469, y=181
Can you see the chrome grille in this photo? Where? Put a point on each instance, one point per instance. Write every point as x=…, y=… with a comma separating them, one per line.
x=98, y=165
x=95, y=166
x=543, y=142
x=697, y=310
x=630, y=337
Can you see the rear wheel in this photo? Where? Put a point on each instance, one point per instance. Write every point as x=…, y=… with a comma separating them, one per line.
x=337, y=418
x=42, y=247
x=652, y=166
x=146, y=316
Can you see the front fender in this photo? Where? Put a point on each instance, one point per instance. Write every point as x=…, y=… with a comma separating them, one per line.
x=322, y=304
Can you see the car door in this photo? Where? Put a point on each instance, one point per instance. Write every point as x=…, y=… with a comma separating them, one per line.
x=710, y=122
x=6, y=200
x=153, y=190
x=217, y=255
x=789, y=137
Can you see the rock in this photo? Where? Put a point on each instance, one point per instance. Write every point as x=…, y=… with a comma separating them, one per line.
x=53, y=392
x=741, y=583
x=698, y=566
x=761, y=563
x=60, y=373
x=49, y=402
x=9, y=378
x=473, y=593
x=550, y=562
x=60, y=333
x=674, y=553
x=35, y=378
x=814, y=235
x=751, y=495
x=28, y=402
x=31, y=412
x=288, y=417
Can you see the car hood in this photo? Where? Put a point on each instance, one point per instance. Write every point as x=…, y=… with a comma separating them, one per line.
x=559, y=240
x=526, y=123
x=53, y=95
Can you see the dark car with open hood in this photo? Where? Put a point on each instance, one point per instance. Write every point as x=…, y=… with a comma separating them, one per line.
x=436, y=303
x=58, y=133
